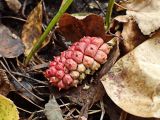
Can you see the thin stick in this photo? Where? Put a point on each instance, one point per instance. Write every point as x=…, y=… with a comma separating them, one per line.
x=12, y=17
x=123, y=115
x=38, y=81
x=100, y=7
x=20, y=83
x=103, y=110
x=24, y=110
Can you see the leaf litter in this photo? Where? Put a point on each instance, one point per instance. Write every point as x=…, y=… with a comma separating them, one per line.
x=135, y=82
x=11, y=45
x=32, y=29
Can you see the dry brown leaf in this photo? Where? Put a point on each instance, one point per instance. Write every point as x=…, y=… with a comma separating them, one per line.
x=132, y=35
x=32, y=29
x=133, y=83
x=5, y=85
x=14, y=5
x=74, y=29
x=10, y=44
x=146, y=13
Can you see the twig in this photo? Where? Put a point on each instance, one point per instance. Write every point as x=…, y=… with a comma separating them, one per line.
x=103, y=110
x=6, y=64
x=123, y=115
x=38, y=81
x=24, y=7
x=66, y=107
x=19, y=82
x=120, y=6
x=32, y=115
x=69, y=113
x=100, y=7
x=24, y=110
x=12, y=17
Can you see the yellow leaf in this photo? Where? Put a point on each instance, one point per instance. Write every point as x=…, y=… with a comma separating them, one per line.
x=8, y=110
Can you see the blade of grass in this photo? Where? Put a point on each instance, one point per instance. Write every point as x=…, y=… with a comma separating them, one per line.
x=53, y=22
x=63, y=2
x=109, y=13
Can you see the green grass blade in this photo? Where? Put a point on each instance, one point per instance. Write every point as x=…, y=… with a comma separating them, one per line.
x=109, y=13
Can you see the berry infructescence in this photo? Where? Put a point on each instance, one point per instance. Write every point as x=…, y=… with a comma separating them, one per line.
x=82, y=58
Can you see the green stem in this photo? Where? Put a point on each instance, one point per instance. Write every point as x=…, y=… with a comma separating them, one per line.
x=109, y=13
x=48, y=29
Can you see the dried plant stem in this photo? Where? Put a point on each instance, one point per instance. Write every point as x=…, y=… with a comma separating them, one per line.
x=48, y=29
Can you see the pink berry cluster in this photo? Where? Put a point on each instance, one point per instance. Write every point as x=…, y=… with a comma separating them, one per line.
x=82, y=58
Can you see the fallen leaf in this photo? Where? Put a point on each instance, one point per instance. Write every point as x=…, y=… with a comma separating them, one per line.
x=131, y=34
x=146, y=13
x=5, y=85
x=14, y=5
x=8, y=109
x=73, y=29
x=133, y=83
x=11, y=45
x=32, y=29
x=52, y=110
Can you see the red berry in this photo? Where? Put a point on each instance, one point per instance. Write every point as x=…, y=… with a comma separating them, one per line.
x=60, y=74
x=100, y=57
x=52, y=63
x=71, y=64
x=91, y=50
x=97, y=41
x=59, y=66
x=81, y=46
x=105, y=48
x=88, y=61
x=68, y=54
x=61, y=85
x=67, y=79
x=87, y=40
x=77, y=56
x=57, y=58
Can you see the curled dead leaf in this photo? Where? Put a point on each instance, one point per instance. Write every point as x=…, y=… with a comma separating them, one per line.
x=132, y=35
x=11, y=45
x=74, y=29
x=133, y=82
